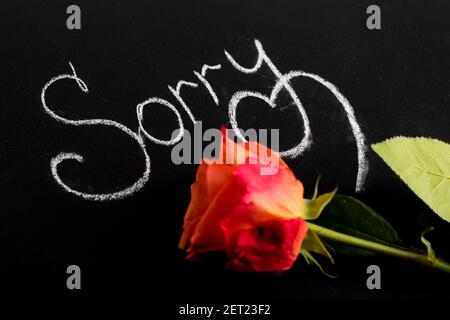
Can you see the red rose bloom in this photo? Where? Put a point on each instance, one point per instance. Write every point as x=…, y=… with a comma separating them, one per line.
x=254, y=218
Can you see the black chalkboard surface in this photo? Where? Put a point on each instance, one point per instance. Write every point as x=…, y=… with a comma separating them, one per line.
x=395, y=78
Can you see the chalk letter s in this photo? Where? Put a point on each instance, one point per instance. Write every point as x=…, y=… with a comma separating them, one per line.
x=63, y=156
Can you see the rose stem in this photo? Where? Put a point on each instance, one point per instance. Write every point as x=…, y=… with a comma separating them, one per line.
x=378, y=247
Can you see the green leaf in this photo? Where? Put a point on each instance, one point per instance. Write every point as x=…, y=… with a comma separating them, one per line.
x=424, y=165
x=430, y=252
x=312, y=243
x=310, y=260
x=350, y=216
x=313, y=207
x=316, y=188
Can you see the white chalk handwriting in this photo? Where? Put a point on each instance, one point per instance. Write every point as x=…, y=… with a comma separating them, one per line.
x=283, y=82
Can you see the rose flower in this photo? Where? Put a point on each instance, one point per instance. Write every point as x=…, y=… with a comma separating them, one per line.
x=235, y=208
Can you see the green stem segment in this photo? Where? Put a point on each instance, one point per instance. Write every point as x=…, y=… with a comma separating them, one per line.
x=378, y=247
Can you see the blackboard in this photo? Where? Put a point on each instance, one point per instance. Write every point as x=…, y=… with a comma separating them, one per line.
x=395, y=78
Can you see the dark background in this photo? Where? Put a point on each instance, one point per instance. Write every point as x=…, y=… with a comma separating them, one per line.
x=395, y=78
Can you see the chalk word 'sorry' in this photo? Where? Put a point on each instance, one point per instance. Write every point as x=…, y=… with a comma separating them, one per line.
x=282, y=83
